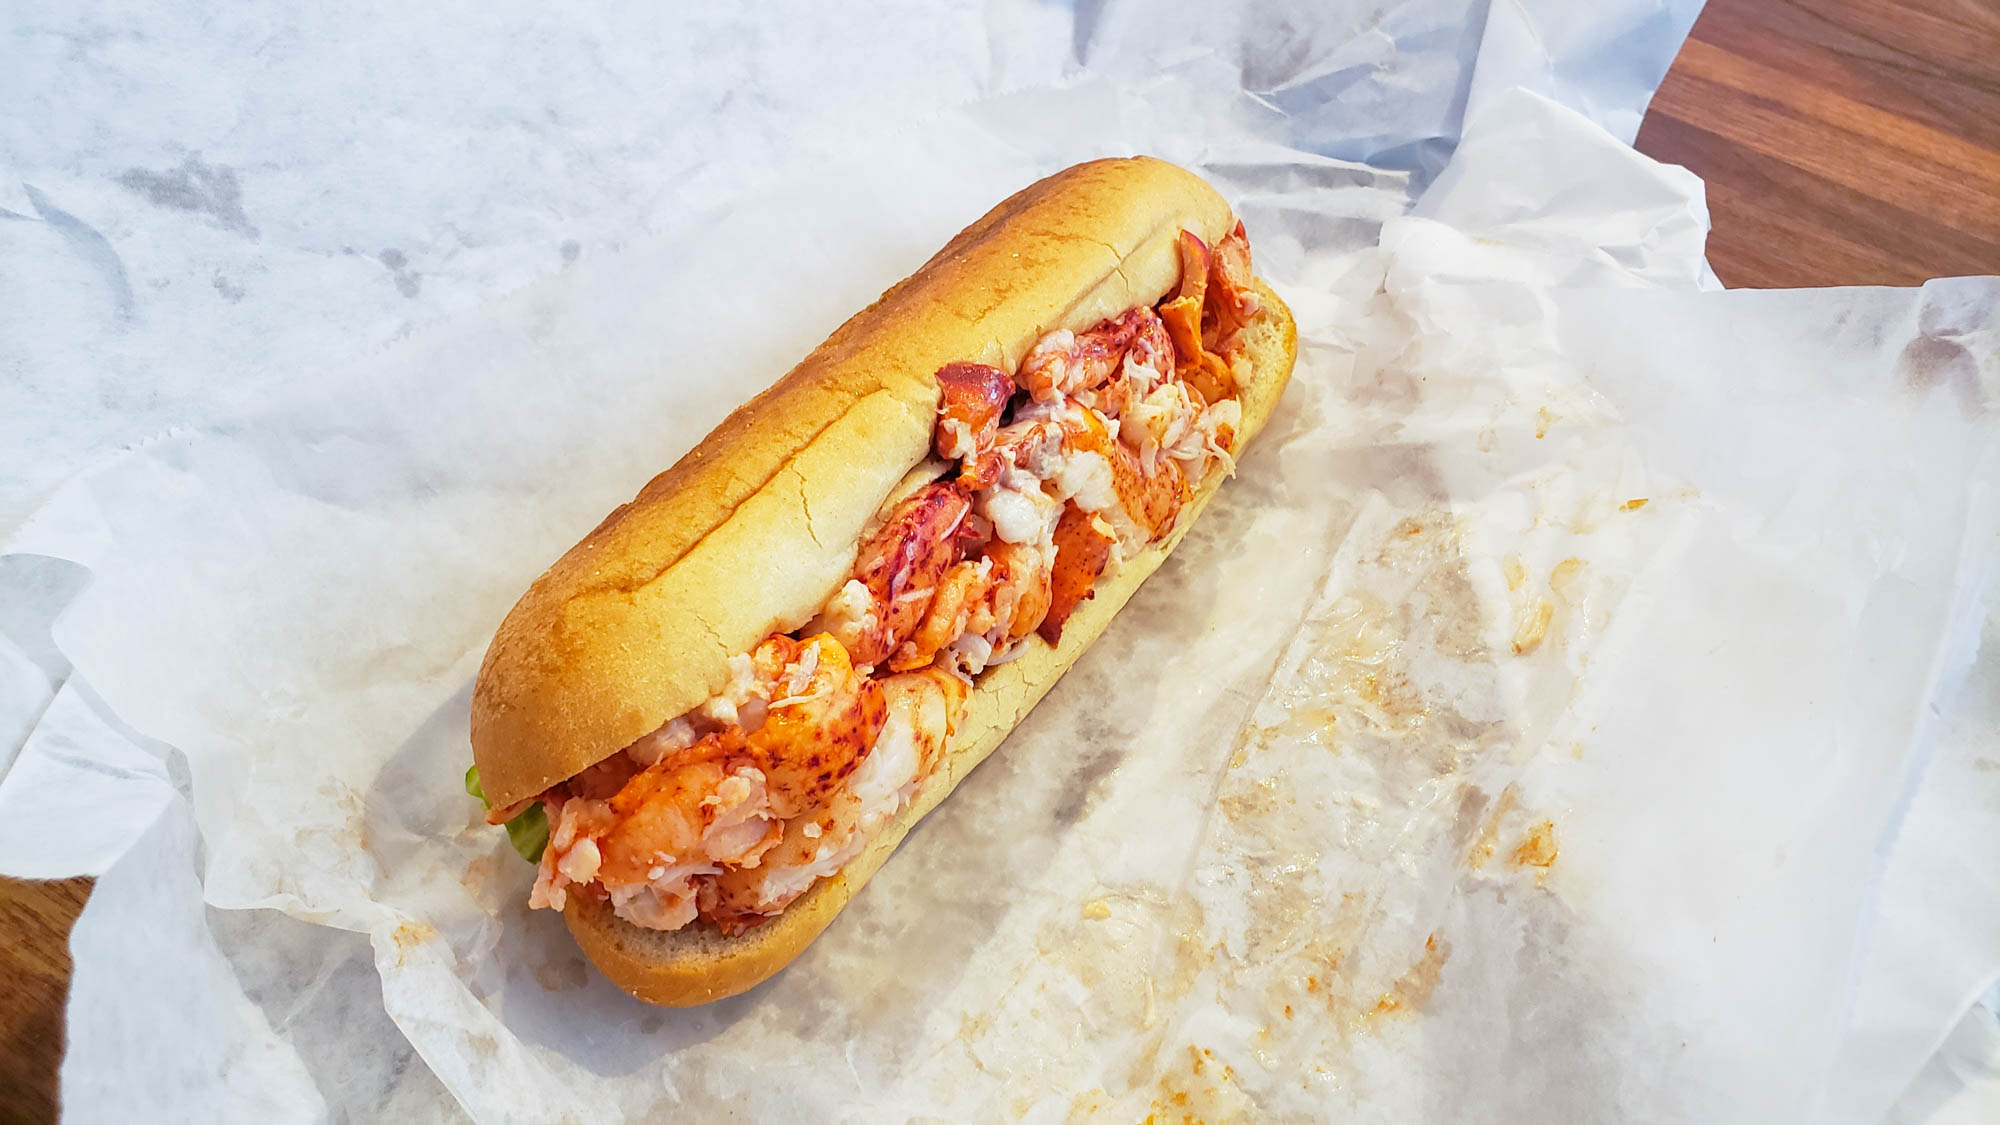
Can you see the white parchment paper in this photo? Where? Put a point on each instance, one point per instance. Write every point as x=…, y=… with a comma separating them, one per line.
x=1558, y=717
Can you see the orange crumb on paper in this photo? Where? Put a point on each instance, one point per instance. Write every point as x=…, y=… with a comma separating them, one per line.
x=1544, y=418
x=409, y=935
x=1538, y=849
x=1633, y=505
x=1415, y=986
x=1196, y=1092
x=1533, y=627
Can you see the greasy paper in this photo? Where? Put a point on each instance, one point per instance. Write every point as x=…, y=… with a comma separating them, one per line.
x=1530, y=728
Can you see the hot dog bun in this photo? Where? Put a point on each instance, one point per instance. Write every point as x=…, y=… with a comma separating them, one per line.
x=696, y=965
x=755, y=528
x=629, y=628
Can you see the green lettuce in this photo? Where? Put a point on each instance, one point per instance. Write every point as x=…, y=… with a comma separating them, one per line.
x=529, y=832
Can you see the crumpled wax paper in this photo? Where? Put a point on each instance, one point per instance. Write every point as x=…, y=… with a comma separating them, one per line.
x=1559, y=716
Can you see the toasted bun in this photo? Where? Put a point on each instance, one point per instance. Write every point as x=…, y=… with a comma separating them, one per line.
x=758, y=525
x=698, y=964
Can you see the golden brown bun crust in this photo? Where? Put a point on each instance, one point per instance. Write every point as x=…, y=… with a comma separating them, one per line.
x=631, y=628
x=697, y=964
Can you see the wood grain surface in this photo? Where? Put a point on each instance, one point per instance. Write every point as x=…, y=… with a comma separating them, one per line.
x=1844, y=142
x=35, y=919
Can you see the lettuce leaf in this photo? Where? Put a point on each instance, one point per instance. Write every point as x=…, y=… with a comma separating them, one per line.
x=528, y=832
